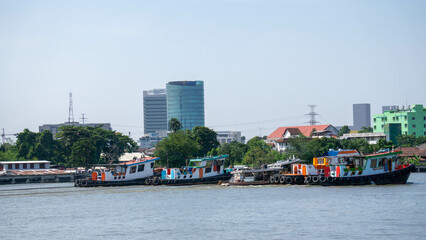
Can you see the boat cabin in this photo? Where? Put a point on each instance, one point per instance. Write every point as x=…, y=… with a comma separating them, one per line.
x=131, y=170
x=197, y=168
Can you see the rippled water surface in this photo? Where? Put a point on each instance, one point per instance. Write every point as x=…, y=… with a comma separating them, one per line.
x=60, y=211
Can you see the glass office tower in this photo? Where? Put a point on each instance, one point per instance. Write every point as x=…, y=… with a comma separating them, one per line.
x=185, y=101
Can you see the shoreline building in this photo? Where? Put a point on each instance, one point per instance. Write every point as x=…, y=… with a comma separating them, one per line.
x=185, y=102
x=410, y=121
x=155, y=111
x=230, y=136
x=281, y=137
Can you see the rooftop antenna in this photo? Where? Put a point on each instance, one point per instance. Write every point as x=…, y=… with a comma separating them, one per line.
x=71, y=113
x=312, y=115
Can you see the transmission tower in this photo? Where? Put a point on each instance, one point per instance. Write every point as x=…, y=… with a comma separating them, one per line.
x=312, y=115
x=71, y=113
x=83, y=118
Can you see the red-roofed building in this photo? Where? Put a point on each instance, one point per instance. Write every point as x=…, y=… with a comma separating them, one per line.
x=279, y=138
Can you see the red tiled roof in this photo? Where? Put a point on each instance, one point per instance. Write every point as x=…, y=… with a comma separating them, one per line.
x=305, y=130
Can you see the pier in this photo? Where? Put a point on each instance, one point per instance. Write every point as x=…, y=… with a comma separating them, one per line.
x=47, y=178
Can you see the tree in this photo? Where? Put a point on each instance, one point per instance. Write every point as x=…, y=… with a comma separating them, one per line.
x=99, y=141
x=235, y=151
x=25, y=143
x=206, y=138
x=45, y=147
x=361, y=145
x=366, y=129
x=260, y=153
x=383, y=144
x=112, y=144
x=84, y=153
x=343, y=130
x=9, y=152
x=176, y=149
x=174, y=125
x=406, y=140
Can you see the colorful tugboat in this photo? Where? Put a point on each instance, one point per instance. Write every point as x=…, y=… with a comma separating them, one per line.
x=136, y=172
x=348, y=167
x=198, y=171
x=246, y=177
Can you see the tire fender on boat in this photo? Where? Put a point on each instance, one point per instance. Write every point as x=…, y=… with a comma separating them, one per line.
x=271, y=179
x=277, y=179
x=315, y=179
x=288, y=180
x=282, y=179
x=308, y=179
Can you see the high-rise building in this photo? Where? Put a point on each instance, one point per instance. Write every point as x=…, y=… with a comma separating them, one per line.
x=155, y=111
x=361, y=115
x=185, y=102
x=411, y=121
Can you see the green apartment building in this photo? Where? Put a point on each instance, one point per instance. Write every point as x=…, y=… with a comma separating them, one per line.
x=412, y=121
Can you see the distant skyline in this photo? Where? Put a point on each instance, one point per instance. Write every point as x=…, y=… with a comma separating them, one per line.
x=262, y=62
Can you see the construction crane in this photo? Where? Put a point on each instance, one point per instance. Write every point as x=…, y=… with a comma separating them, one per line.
x=3, y=136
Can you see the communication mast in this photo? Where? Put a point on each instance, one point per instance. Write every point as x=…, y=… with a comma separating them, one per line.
x=312, y=115
x=71, y=112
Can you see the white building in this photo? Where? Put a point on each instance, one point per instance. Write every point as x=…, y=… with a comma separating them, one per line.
x=371, y=138
x=24, y=165
x=151, y=139
x=229, y=136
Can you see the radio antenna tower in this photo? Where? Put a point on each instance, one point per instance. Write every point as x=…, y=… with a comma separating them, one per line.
x=312, y=115
x=71, y=112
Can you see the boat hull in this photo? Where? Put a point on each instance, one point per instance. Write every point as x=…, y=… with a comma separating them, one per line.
x=395, y=177
x=92, y=183
x=206, y=180
x=252, y=183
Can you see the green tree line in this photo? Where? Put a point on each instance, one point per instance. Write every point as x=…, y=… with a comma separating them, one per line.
x=74, y=146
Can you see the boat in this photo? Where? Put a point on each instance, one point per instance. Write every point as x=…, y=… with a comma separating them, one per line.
x=348, y=167
x=199, y=171
x=261, y=176
x=135, y=172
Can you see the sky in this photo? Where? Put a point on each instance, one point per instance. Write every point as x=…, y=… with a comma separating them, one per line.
x=262, y=62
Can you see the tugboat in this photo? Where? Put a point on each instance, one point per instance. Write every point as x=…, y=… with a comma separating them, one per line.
x=270, y=173
x=348, y=167
x=199, y=171
x=136, y=172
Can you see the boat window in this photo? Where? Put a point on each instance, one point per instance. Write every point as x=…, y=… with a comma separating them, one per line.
x=194, y=164
x=133, y=169
x=209, y=164
x=141, y=168
x=152, y=165
x=208, y=169
x=373, y=163
x=382, y=162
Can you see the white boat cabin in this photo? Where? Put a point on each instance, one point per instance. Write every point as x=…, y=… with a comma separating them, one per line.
x=197, y=168
x=131, y=170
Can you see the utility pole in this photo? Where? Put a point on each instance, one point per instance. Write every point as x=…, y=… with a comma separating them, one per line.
x=312, y=115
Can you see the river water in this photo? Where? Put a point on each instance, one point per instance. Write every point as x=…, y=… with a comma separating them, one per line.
x=60, y=211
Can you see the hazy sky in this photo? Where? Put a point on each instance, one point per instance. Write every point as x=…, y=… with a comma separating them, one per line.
x=262, y=62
